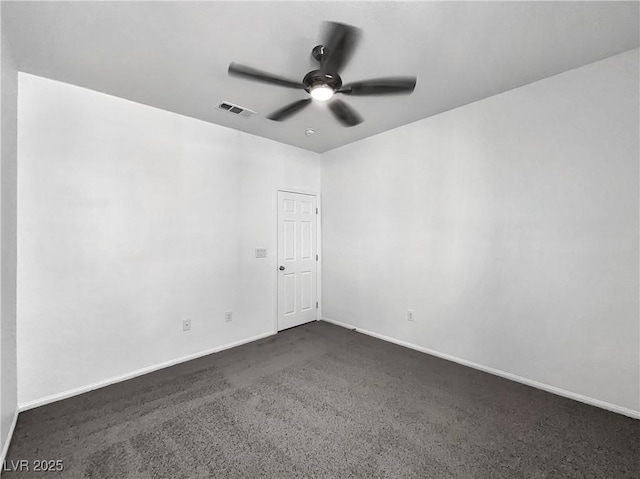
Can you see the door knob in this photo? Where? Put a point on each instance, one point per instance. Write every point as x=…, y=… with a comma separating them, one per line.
x=281, y=268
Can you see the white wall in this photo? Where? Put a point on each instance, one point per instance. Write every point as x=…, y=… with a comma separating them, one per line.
x=8, y=187
x=131, y=219
x=511, y=227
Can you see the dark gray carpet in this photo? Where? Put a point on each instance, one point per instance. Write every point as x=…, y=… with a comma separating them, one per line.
x=323, y=401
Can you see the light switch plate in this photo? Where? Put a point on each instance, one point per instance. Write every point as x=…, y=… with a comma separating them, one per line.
x=261, y=252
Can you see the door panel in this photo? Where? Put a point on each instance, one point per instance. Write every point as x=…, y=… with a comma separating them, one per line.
x=289, y=239
x=306, y=240
x=297, y=264
x=289, y=294
x=305, y=291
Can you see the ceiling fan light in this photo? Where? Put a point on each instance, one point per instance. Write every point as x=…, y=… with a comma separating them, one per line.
x=321, y=92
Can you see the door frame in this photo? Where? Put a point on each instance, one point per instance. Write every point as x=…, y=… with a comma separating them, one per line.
x=274, y=262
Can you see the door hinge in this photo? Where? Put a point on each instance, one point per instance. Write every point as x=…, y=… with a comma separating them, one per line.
x=316, y=305
x=316, y=210
x=316, y=257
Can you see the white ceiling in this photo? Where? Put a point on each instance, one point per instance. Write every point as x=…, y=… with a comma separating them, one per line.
x=174, y=55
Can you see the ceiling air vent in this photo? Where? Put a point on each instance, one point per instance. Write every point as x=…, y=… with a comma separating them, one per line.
x=236, y=110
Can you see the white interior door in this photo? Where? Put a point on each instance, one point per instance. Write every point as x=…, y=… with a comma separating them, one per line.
x=297, y=260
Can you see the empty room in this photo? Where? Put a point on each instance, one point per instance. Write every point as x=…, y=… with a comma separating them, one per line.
x=330, y=239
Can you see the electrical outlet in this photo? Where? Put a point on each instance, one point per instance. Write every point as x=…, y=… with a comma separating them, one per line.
x=410, y=314
x=186, y=324
x=228, y=316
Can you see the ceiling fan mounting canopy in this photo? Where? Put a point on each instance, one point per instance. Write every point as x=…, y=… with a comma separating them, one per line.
x=323, y=83
x=318, y=52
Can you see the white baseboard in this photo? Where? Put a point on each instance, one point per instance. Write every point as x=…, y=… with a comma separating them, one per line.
x=134, y=374
x=7, y=443
x=496, y=372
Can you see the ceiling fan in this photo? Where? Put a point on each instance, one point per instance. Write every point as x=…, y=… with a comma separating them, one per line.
x=322, y=84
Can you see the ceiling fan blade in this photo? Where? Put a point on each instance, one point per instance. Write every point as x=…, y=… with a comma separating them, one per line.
x=344, y=113
x=290, y=109
x=380, y=86
x=339, y=42
x=249, y=73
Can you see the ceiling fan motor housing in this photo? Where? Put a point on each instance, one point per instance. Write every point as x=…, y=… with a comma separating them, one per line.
x=318, y=77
